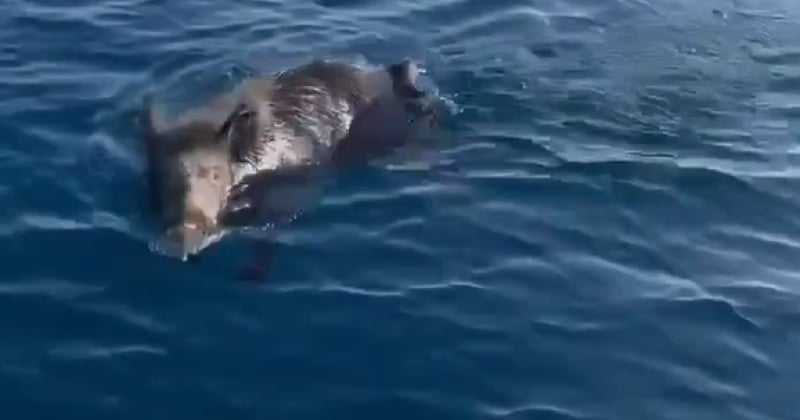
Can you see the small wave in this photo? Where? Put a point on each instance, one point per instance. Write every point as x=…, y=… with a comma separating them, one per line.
x=128, y=316
x=57, y=288
x=87, y=351
x=784, y=56
x=535, y=410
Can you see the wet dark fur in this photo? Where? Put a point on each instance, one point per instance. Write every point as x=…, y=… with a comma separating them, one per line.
x=313, y=109
x=317, y=102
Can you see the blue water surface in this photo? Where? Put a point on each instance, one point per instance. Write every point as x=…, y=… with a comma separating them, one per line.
x=610, y=230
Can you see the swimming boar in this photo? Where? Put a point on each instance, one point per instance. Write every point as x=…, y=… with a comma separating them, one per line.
x=221, y=166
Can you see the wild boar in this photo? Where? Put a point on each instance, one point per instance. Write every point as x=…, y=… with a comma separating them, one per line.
x=220, y=167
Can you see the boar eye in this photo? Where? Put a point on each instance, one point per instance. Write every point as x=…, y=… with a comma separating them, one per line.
x=208, y=172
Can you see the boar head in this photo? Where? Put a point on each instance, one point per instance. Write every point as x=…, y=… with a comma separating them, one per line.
x=190, y=169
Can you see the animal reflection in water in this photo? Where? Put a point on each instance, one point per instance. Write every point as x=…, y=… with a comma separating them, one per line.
x=254, y=156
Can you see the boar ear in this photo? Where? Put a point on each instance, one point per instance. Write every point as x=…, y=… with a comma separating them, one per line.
x=150, y=127
x=239, y=130
x=241, y=116
x=404, y=79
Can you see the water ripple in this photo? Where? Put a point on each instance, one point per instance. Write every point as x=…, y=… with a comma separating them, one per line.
x=539, y=411
x=86, y=351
